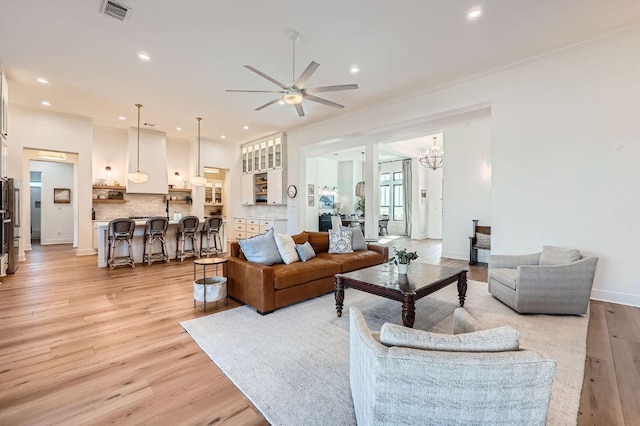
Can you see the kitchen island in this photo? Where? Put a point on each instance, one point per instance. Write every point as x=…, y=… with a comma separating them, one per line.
x=137, y=243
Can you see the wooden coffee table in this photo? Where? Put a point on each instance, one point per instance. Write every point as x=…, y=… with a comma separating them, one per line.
x=383, y=280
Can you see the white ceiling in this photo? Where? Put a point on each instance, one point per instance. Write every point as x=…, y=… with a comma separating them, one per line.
x=198, y=49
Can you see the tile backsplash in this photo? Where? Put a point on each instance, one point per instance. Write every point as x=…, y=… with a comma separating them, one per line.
x=139, y=205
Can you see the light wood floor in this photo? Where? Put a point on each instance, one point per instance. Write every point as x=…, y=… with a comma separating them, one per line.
x=83, y=345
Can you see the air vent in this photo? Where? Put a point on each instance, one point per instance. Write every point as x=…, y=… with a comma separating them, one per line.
x=150, y=124
x=115, y=10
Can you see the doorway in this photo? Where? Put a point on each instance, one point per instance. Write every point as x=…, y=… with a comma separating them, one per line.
x=35, y=186
x=215, y=191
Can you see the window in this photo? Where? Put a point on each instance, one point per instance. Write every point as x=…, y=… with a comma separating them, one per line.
x=397, y=176
x=384, y=199
x=384, y=177
x=398, y=203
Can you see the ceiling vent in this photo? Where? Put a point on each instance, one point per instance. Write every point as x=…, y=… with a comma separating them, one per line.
x=115, y=10
x=150, y=124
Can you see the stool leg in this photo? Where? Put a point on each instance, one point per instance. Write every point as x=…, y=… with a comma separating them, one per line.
x=132, y=263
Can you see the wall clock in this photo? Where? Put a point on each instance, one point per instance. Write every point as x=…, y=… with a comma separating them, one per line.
x=292, y=191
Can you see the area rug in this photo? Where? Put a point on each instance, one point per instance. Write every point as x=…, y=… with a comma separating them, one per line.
x=293, y=364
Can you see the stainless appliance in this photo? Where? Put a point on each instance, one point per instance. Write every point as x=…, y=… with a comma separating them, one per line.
x=10, y=213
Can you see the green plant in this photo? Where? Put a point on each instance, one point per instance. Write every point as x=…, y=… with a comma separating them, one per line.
x=360, y=205
x=403, y=256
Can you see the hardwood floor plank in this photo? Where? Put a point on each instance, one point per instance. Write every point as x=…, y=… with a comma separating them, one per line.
x=627, y=364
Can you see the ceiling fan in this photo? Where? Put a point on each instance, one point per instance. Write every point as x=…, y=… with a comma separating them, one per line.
x=294, y=93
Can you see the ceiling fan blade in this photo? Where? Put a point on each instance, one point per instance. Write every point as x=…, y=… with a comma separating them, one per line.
x=256, y=91
x=267, y=104
x=331, y=88
x=322, y=101
x=263, y=75
x=302, y=80
x=300, y=110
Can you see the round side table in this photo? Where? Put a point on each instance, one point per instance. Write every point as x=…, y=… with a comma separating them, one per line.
x=218, y=282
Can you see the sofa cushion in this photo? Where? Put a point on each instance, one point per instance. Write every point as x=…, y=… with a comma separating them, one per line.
x=558, y=256
x=493, y=340
x=286, y=276
x=506, y=276
x=340, y=242
x=305, y=251
x=300, y=238
x=357, y=239
x=286, y=248
x=319, y=241
x=261, y=248
x=356, y=260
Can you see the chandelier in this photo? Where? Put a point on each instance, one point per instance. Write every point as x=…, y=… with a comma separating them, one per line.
x=434, y=157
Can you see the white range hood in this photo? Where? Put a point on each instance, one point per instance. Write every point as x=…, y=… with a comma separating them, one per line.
x=153, y=161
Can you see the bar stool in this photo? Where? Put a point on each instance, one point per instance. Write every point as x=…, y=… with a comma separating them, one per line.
x=210, y=233
x=155, y=229
x=120, y=231
x=187, y=228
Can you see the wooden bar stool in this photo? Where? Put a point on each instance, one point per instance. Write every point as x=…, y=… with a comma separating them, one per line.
x=120, y=231
x=187, y=228
x=155, y=230
x=210, y=242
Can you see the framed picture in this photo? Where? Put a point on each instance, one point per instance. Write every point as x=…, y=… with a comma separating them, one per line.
x=310, y=201
x=326, y=202
x=61, y=195
x=311, y=189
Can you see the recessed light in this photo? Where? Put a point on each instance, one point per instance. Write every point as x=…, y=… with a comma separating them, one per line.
x=280, y=102
x=179, y=129
x=246, y=127
x=474, y=14
x=122, y=117
x=354, y=69
x=42, y=80
x=223, y=137
x=46, y=103
x=144, y=56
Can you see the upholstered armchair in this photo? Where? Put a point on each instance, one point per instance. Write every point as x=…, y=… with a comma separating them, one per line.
x=555, y=281
x=472, y=378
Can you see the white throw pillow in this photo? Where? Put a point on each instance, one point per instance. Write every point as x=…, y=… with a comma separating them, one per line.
x=339, y=242
x=287, y=248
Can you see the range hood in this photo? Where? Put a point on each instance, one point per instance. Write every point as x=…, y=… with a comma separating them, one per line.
x=153, y=161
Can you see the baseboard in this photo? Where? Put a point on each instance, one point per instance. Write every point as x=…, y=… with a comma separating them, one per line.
x=86, y=252
x=456, y=255
x=56, y=241
x=616, y=297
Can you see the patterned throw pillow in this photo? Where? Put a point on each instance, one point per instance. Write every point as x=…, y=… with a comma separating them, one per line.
x=483, y=241
x=357, y=239
x=339, y=242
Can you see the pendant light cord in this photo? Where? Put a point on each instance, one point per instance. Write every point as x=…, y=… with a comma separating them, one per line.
x=138, y=106
x=198, y=118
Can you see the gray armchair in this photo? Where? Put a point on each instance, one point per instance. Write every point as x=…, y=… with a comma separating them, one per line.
x=555, y=281
x=478, y=378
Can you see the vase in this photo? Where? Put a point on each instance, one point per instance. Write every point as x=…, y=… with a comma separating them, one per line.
x=402, y=268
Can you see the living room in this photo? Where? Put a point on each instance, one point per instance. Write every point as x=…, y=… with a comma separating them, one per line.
x=539, y=143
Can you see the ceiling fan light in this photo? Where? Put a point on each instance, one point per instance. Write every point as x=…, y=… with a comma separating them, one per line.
x=292, y=98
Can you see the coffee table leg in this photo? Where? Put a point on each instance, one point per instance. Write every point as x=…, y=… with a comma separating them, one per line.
x=339, y=295
x=462, y=287
x=408, y=310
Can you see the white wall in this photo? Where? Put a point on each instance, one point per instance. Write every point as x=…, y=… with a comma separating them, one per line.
x=564, y=151
x=56, y=219
x=33, y=129
x=110, y=149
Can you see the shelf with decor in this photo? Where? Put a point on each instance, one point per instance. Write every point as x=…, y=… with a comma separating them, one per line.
x=118, y=187
x=180, y=190
x=97, y=200
x=108, y=193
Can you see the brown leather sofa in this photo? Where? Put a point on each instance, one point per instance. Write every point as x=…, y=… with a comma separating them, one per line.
x=268, y=288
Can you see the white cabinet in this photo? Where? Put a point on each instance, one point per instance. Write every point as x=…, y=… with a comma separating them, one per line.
x=275, y=190
x=274, y=153
x=247, y=227
x=247, y=195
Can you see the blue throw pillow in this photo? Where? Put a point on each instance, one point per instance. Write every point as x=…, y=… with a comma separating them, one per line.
x=261, y=249
x=357, y=239
x=305, y=251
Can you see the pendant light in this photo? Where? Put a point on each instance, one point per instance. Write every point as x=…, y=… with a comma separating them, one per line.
x=434, y=157
x=138, y=176
x=360, y=185
x=198, y=180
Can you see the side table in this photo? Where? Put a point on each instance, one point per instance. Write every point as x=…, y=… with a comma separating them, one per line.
x=215, y=284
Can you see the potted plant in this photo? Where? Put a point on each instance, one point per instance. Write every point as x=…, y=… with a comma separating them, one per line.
x=402, y=258
x=360, y=206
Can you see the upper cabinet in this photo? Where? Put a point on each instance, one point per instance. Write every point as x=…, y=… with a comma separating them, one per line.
x=4, y=105
x=264, y=154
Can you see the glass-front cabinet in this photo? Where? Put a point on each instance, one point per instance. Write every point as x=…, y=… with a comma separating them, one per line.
x=258, y=158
